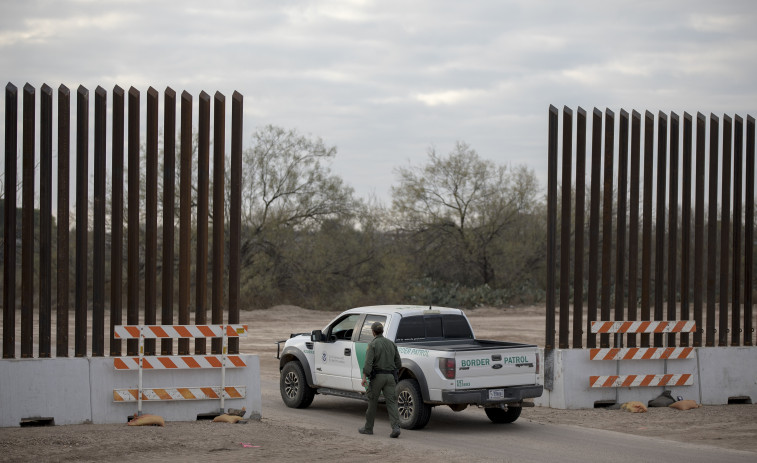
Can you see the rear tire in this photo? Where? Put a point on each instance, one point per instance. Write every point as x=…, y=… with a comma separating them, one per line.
x=499, y=416
x=414, y=414
x=293, y=385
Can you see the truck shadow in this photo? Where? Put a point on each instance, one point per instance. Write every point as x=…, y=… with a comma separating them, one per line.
x=471, y=421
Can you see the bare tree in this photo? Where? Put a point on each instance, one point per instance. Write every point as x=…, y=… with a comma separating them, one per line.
x=287, y=181
x=460, y=207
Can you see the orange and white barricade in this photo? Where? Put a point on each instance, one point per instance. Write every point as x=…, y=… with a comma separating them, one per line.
x=179, y=362
x=642, y=353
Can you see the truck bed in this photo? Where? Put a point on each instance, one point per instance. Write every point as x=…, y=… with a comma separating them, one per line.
x=463, y=345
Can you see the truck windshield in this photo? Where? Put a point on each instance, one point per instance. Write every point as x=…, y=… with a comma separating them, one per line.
x=433, y=327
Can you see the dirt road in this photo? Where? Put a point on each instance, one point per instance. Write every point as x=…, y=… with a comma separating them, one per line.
x=326, y=431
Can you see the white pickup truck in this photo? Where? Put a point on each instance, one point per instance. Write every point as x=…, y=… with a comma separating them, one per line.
x=442, y=363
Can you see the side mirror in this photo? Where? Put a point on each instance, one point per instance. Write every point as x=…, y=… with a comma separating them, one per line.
x=316, y=336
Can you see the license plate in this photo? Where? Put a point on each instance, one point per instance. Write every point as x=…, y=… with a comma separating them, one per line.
x=496, y=394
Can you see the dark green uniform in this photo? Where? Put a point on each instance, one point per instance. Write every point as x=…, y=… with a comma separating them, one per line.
x=383, y=358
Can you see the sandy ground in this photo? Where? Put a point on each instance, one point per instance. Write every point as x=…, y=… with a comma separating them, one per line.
x=274, y=439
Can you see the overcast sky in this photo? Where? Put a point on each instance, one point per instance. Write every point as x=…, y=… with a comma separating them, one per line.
x=384, y=80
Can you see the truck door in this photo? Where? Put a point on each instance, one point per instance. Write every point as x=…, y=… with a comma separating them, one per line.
x=333, y=358
x=361, y=345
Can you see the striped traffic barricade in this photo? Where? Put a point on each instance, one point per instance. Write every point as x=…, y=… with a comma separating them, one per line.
x=687, y=326
x=143, y=362
x=179, y=393
x=668, y=380
x=178, y=362
x=179, y=331
x=642, y=353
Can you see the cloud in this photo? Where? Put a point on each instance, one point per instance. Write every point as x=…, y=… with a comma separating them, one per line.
x=448, y=97
x=718, y=23
x=43, y=30
x=356, y=11
x=382, y=80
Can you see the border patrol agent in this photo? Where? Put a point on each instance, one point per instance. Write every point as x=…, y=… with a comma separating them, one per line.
x=382, y=361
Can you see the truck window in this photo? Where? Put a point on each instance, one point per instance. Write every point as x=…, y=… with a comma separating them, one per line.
x=411, y=329
x=433, y=327
x=456, y=327
x=365, y=333
x=343, y=328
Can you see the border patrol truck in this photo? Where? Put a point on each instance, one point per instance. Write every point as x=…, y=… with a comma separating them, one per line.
x=442, y=364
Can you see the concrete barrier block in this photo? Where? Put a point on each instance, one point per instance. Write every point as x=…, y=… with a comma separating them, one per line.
x=728, y=372
x=105, y=378
x=571, y=387
x=80, y=390
x=56, y=388
x=577, y=368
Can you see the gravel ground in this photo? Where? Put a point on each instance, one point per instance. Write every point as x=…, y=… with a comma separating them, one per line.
x=273, y=439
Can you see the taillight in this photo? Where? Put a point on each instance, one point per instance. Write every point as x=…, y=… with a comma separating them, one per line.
x=537, y=363
x=447, y=367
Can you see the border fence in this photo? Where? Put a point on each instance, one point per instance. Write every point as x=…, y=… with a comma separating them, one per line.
x=125, y=141
x=645, y=263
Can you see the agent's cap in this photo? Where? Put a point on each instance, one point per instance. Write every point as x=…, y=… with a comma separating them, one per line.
x=377, y=328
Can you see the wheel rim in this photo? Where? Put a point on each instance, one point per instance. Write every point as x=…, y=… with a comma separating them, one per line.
x=291, y=385
x=405, y=405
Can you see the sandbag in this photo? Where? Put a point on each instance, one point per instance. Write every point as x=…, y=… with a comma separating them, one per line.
x=226, y=418
x=237, y=412
x=634, y=407
x=147, y=420
x=684, y=405
x=663, y=400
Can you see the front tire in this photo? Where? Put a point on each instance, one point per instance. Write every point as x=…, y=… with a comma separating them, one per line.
x=500, y=416
x=414, y=414
x=293, y=385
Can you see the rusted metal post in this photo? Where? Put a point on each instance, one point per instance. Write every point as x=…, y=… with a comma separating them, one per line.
x=117, y=219
x=578, y=268
x=27, y=226
x=219, y=241
x=620, y=242
x=185, y=222
x=98, y=237
x=659, y=276
x=169, y=179
x=151, y=214
x=725, y=231
x=82, y=220
x=712, y=232
x=738, y=159
x=686, y=224
x=549, y=340
x=604, y=339
x=633, y=230
x=45, y=219
x=749, y=234
x=646, y=253
x=201, y=268
x=565, y=245
x=132, y=271
x=596, y=170
x=235, y=211
x=64, y=147
x=699, y=229
x=9, y=223
x=673, y=224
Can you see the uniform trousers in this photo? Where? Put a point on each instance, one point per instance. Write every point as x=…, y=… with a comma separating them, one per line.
x=382, y=383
